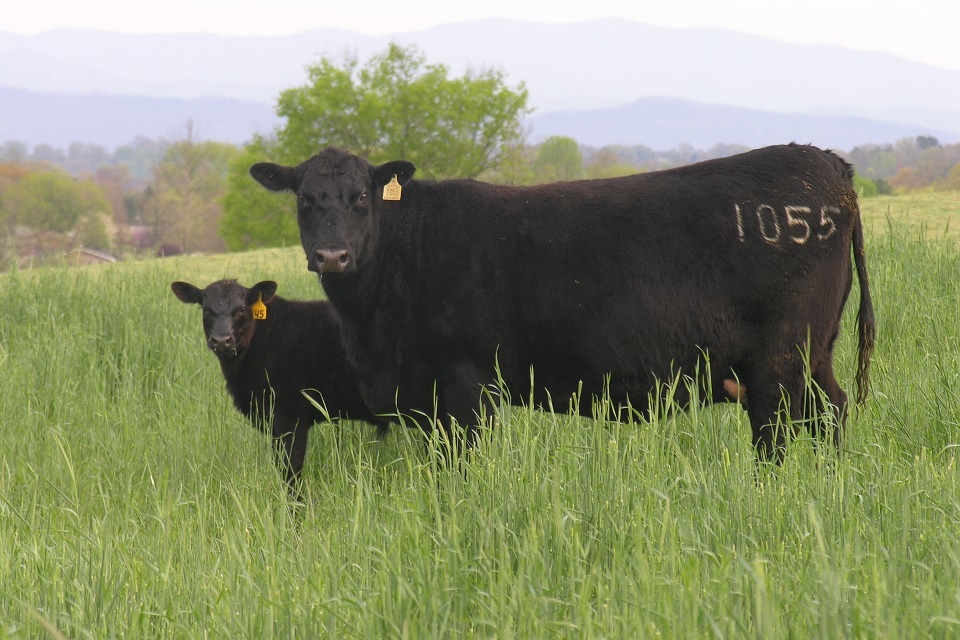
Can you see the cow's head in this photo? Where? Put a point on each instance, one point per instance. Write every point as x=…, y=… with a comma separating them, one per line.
x=227, y=316
x=339, y=196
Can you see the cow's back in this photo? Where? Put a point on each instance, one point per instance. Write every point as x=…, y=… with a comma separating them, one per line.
x=634, y=276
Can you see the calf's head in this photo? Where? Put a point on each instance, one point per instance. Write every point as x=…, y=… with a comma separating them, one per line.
x=339, y=199
x=227, y=315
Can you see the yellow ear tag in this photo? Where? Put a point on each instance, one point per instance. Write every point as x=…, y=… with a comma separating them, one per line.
x=391, y=190
x=259, y=309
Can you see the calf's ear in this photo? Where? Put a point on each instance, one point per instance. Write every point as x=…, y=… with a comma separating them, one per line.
x=274, y=176
x=401, y=168
x=187, y=292
x=263, y=291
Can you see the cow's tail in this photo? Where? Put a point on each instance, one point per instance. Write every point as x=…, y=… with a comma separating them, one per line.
x=866, y=322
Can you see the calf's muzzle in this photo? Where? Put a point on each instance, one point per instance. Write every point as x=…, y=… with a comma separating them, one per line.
x=222, y=343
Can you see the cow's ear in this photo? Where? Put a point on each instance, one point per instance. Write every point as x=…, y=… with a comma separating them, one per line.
x=187, y=292
x=275, y=177
x=401, y=168
x=263, y=291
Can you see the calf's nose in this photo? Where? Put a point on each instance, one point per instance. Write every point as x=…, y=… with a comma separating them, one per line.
x=220, y=343
x=332, y=260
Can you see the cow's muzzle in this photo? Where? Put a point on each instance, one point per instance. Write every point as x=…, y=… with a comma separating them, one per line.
x=332, y=260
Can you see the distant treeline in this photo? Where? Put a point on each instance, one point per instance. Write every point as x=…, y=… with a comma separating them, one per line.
x=139, y=157
x=162, y=193
x=908, y=164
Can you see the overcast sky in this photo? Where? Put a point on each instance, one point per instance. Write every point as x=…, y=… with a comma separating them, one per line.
x=921, y=30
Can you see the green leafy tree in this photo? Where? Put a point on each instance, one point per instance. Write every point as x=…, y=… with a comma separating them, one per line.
x=253, y=216
x=394, y=107
x=865, y=187
x=397, y=107
x=558, y=158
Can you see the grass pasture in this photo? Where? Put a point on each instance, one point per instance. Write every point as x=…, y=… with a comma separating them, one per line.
x=932, y=215
x=135, y=502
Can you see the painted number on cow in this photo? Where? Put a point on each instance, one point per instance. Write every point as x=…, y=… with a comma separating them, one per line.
x=793, y=224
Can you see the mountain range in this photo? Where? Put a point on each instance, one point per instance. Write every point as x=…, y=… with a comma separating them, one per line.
x=600, y=82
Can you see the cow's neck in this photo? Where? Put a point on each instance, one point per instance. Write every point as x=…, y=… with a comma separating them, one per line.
x=373, y=303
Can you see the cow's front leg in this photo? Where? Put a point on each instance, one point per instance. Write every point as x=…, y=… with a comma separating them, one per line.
x=463, y=399
x=290, y=446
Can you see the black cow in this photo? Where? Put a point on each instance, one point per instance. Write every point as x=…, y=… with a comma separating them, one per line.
x=270, y=355
x=737, y=268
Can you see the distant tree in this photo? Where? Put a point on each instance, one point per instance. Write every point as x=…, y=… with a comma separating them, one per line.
x=935, y=163
x=184, y=203
x=875, y=162
x=927, y=142
x=952, y=181
x=47, y=154
x=85, y=158
x=52, y=200
x=115, y=182
x=395, y=107
x=11, y=172
x=906, y=152
x=605, y=163
x=13, y=151
x=906, y=179
x=635, y=155
x=558, y=158
x=140, y=157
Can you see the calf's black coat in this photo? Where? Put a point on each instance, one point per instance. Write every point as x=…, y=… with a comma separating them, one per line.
x=737, y=268
x=269, y=363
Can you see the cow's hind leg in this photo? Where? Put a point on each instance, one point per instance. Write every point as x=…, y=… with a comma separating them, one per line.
x=775, y=404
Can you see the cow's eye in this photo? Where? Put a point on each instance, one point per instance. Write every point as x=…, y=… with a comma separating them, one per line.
x=301, y=201
x=363, y=197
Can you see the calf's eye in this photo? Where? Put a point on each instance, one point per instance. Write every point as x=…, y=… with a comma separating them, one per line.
x=363, y=198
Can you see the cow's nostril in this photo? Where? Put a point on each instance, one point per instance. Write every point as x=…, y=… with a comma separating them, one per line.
x=345, y=257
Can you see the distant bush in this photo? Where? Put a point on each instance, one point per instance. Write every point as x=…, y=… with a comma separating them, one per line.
x=951, y=182
x=865, y=187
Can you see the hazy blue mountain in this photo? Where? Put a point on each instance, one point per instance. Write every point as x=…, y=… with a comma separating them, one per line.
x=666, y=123
x=596, y=65
x=111, y=121
x=659, y=123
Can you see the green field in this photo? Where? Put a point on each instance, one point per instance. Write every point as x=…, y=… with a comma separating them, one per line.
x=932, y=215
x=135, y=502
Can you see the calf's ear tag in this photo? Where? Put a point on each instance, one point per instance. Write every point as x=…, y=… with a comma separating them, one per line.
x=259, y=309
x=391, y=190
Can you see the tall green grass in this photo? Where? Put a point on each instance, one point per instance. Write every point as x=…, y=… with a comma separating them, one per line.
x=135, y=502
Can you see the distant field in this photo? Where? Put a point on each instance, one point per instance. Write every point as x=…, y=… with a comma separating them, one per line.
x=136, y=503
x=928, y=215
x=287, y=266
